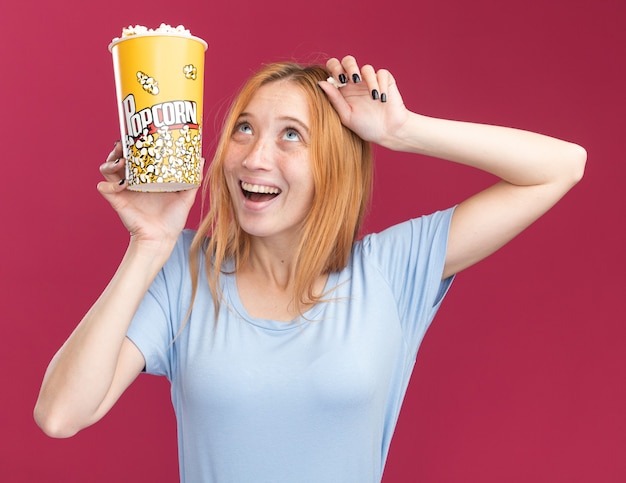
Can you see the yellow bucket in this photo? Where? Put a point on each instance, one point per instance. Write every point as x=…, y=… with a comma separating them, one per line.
x=159, y=80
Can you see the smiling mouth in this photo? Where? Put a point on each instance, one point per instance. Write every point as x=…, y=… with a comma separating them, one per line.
x=255, y=192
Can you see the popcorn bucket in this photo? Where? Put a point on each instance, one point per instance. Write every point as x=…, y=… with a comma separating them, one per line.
x=159, y=81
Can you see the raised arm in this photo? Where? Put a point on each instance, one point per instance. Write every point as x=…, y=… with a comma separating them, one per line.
x=97, y=362
x=535, y=171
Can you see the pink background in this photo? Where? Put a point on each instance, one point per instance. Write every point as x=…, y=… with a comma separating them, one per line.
x=522, y=376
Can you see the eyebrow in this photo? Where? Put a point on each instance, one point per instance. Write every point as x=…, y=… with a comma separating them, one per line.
x=296, y=121
x=291, y=119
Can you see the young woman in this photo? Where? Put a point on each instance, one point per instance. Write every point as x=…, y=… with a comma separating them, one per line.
x=288, y=342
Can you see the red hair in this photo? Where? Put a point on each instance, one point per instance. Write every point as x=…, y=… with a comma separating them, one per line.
x=342, y=169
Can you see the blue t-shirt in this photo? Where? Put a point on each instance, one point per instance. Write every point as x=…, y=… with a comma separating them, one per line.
x=309, y=401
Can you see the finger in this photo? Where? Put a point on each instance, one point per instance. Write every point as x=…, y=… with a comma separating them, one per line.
x=189, y=195
x=113, y=170
x=336, y=70
x=387, y=84
x=116, y=153
x=371, y=80
x=202, y=163
x=352, y=68
x=337, y=100
x=111, y=188
x=111, y=165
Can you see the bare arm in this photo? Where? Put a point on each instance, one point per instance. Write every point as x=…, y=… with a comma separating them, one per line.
x=97, y=362
x=535, y=171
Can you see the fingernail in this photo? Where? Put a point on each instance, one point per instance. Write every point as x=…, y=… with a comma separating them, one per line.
x=355, y=78
x=122, y=182
x=383, y=97
x=117, y=160
x=342, y=78
x=374, y=94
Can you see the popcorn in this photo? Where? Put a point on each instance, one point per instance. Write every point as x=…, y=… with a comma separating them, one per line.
x=156, y=158
x=149, y=84
x=331, y=80
x=164, y=28
x=190, y=71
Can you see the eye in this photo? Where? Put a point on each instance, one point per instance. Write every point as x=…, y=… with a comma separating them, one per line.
x=242, y=132
x=292, y=135
x=243, y=127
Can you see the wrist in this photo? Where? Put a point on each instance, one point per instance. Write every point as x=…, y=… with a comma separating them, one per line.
x=407, y=137
x=156, y=251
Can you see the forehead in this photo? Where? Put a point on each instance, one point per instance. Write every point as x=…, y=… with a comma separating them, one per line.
x=279, y=98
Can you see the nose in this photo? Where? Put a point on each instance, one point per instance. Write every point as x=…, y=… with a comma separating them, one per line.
x=258, y=158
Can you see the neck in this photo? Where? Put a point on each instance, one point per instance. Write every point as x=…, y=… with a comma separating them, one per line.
x=274, y=263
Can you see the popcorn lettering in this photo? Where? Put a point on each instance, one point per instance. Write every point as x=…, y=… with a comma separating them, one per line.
x=172, y=113
x=163, y=142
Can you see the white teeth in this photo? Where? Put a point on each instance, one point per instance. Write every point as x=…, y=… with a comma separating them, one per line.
x=255, y=188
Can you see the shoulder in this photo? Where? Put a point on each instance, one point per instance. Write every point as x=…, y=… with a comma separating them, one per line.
x=425, y=228
x=406, y=253
x=180, y=254
x=186, y=237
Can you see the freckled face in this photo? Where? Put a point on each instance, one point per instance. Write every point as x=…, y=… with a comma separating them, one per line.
x=267, y=164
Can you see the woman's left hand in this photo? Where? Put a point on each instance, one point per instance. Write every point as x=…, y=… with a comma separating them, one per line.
x=368, y=103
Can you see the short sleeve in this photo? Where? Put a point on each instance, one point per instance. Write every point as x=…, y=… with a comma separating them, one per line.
x=410, y=257
x=162, y=310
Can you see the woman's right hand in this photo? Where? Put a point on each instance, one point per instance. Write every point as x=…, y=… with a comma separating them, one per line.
x=151, y=218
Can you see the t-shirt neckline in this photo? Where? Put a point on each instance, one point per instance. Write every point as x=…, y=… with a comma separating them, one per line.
x=231, y=294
